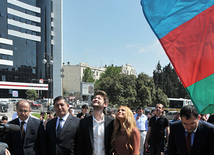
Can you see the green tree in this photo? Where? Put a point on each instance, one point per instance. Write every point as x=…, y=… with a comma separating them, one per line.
x=157, y=76
x=167, y=80
x=88, y=75
x=120, y=88
x=31, y=94
x=145, y=90
x=161, y=97
x=111, y=71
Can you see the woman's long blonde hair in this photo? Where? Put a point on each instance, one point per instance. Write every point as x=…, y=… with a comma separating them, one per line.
x=129, y=124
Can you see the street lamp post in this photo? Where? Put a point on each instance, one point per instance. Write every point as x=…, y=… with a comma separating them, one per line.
x=48, y=60
x=62, y=76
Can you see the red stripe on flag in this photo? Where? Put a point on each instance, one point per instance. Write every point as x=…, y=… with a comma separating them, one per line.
x=190, y=48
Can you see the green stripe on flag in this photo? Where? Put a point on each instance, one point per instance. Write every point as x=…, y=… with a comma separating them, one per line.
x=202, y=95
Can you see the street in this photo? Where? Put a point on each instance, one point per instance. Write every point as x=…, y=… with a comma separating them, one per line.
x=11, y=111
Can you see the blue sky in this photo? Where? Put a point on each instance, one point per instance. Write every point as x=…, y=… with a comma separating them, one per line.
x=105, y=32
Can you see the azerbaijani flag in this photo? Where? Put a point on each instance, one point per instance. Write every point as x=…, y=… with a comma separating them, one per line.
x=185, y=29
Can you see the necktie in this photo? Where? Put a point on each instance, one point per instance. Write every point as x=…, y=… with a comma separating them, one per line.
x=188, y=142
x=22, y=131
x=59, y=128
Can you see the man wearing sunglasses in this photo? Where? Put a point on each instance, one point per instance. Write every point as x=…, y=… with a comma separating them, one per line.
x=191, y=136
x=157, y=131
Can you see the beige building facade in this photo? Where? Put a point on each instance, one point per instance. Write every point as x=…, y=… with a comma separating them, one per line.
x=73, y=75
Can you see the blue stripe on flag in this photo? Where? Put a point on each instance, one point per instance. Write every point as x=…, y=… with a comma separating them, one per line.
x=166, y=15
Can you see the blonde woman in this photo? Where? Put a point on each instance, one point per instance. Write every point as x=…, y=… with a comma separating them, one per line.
x=125, y=138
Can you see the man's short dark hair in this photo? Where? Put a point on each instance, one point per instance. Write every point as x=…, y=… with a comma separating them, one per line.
x=49, y=112
x=103, y=94
x=188, y=111
x=84, y=106
x=139, y=108
x=61, y=98
x=4, y=118
x=42, y=113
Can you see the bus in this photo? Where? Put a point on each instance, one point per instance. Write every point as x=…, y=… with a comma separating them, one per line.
x=175, y=104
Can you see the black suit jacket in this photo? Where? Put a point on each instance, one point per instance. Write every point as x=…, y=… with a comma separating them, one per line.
x=203, y=142
x=34, y=142
x=85, y=138
x=65, y=144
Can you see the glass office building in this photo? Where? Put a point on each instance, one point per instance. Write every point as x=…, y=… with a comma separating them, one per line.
x=30, y=31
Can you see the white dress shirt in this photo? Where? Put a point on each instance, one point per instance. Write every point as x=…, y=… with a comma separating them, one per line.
x=141, y=122
x=25, y=125
x=98, y=133
x=62, y=122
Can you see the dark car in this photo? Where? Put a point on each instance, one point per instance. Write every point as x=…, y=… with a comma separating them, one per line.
x=3, y=106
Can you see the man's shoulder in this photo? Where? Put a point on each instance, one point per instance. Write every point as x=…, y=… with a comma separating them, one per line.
x=176, y=124
x=206, y=124
x=14, y=121
x=79, y=114
x=86, y=119
x=34, y=119
x=109, y=118
x=73, y=118
x=51, y=122
x=163, y=117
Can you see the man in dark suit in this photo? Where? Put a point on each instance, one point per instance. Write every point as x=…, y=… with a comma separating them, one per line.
x=61, y=131
x=191, y=136
x=83, y=114
x=30, y=140
x=95, y=131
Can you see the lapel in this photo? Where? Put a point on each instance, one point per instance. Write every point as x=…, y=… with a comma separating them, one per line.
x=29, y=127
x=105, y=131
x=67, y=122
x=90, y=125
x=197, y=137
x=17, y=134
x=181, y=136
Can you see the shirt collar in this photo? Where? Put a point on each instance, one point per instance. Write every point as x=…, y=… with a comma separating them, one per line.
x=26, y=121
x=194, y=130
x=94, y=119
x=64, y=117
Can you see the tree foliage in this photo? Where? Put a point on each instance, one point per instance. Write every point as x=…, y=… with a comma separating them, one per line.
x=88, y=75
x=166, y=79
x=31, y=94
x=129, y=90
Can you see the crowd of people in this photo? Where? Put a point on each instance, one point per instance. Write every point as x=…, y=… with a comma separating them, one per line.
x=124, y=132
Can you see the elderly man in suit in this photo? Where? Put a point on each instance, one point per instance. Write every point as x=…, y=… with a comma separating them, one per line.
x=191, y=136
x=95, y=131
x=61, y=131
x=30, y=140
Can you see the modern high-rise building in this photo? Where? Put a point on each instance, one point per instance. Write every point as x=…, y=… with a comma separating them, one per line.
x=30, y=47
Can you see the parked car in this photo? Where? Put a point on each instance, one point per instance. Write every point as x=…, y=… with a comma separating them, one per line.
x=4, y=106
x=35, y=105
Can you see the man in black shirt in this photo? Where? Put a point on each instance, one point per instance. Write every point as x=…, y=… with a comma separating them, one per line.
x=84, y=113
x=156, y=132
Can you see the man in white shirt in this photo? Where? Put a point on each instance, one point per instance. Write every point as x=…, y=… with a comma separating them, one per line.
x=141, y=122
x=95, y=131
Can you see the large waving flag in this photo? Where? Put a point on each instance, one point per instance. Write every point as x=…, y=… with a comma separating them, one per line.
x=185, y=29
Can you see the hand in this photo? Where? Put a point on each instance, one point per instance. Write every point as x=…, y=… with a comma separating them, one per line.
x=137, y=117
x=146, y=145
